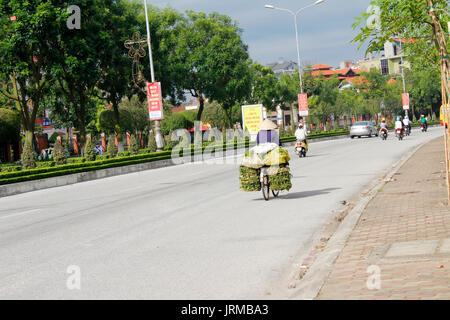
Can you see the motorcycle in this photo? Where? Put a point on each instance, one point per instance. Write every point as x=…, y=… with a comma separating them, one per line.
x=399, y=134
x=300, y=149
x=383, y=134
x=408, y=130
x=423, y=127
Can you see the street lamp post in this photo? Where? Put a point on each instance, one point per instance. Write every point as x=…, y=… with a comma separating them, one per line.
x=158, y=138
x=294, y=14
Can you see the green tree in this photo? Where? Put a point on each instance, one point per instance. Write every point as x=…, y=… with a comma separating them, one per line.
x=207, y=56
x=89, y=152
x=28, y=159
x=133, y=147
x=59, y=156
x=264, y=87
x=416, y=21
x=26, y=54
x=137, y=111
x=111, y=147
x=80, y=55
x=115, y=64
x=152, y=142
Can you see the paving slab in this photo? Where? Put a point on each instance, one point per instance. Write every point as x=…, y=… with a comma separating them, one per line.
x=402, y=239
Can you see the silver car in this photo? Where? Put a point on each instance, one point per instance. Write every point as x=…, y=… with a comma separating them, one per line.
x=363, y=128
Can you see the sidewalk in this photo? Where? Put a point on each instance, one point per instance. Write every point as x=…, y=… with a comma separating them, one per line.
x=404, y=233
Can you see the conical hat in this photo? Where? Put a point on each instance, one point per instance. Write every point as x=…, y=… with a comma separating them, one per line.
x=268, y=125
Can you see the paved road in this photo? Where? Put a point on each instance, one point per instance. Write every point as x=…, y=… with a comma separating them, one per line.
x=184, y=232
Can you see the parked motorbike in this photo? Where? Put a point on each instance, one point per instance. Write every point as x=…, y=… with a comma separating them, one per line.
x=383, y=134
x=399, y=134
x=300, y=149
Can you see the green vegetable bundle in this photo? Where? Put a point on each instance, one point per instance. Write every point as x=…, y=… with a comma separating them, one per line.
x=249, y=179
x=282, y=180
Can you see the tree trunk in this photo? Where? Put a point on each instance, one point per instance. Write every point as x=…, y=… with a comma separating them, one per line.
x=118, y=129
x=201, y=101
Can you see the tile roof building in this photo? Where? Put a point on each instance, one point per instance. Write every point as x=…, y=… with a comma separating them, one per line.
x=281, y=67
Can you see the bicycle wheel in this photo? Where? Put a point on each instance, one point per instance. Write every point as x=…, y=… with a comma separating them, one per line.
x=276, y=193
x=265, y=187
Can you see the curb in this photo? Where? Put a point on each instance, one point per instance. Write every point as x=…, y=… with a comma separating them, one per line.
x=309, y=287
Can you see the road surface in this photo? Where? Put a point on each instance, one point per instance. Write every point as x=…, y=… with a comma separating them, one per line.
x=182, y=232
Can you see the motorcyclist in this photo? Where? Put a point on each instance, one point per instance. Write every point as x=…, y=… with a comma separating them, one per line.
x=423, y=120
x=407, y=123
x=301, y=133
x=383, y=126
x=399, y=125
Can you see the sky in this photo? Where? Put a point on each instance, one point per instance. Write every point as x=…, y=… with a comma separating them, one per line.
x=325, y=30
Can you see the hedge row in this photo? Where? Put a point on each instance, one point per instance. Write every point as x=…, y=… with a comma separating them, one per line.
x=78, y=165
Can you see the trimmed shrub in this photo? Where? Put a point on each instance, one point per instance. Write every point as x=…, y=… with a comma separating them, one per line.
x=89, y=152
x=152, y=142
x=28, y=160
x=111, y=147
x=76, y=160
x=59, y=156
x=133, y=147
x=169, y=142
x=126, y=153
x=12, y=168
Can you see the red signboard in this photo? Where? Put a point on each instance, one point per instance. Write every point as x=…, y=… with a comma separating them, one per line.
x=405, y=101
x=154, y=98
x=303, y=105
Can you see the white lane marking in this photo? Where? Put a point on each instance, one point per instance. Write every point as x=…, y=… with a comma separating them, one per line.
x=19, y=214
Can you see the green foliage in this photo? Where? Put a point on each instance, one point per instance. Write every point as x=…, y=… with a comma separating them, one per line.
x=152, y=142
x=178, y=120
x=89, y=152
x=207, y=56
x=264, y=87
x=9, y=125
x=10, y=168
x=111, y=146
x=133, y=147
x=53, y=137
x=136, y=112
x=59, y=156
x=107, y=123
x=408, y=18
x=171, y=140
x=28, y=160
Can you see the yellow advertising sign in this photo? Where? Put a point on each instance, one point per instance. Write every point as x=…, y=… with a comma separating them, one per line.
x=252, y=116
x=442, y=115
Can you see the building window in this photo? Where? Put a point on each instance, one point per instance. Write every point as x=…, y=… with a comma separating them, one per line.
x=384, y=67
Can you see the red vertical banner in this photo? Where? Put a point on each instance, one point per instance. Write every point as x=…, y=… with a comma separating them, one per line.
x=303, y=110
x=405, y=101
x=154, y=98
